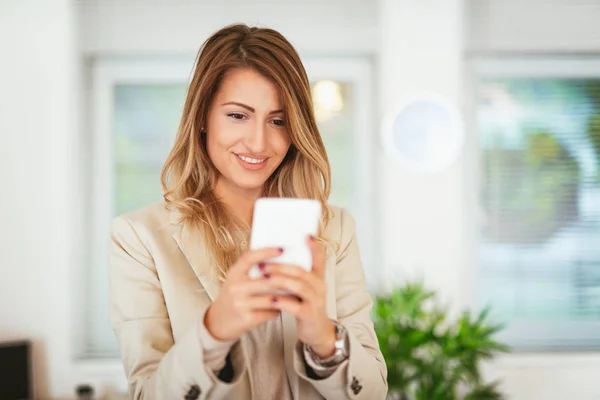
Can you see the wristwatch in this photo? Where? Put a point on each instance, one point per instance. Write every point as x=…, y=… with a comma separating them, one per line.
x=341, y=349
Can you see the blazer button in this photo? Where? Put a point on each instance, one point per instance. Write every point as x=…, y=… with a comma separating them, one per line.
x=355, y=386
x=193, y=393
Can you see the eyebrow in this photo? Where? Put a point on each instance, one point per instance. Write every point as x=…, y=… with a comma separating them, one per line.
x=247, y=107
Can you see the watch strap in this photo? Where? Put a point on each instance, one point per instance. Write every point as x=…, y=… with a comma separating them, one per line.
x=341, y=349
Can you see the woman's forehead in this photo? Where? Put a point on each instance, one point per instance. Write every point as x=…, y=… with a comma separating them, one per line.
x=249, y=87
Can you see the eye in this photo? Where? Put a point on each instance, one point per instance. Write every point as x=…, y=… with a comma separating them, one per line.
x=237, y=116
x=278, y=122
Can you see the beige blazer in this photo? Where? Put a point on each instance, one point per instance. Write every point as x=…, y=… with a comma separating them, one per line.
x=160, y=288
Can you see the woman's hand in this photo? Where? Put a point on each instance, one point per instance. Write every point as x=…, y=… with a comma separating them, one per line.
x=242, y=302
x=308, y=300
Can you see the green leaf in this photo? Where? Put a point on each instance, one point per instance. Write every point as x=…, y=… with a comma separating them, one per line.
x=428, y=356
x=485, y=392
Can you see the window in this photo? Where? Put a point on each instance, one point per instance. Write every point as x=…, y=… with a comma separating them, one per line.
x=137, y=106
x=538, y=126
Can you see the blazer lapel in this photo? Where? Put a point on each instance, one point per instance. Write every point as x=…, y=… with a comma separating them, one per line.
x=191, y=244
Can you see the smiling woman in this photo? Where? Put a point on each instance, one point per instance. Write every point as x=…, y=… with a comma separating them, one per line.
x=190, y=321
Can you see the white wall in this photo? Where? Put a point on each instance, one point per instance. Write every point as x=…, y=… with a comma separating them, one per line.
x=180, y=26
x=36, y=128
x=533, y=26
x=423, y=228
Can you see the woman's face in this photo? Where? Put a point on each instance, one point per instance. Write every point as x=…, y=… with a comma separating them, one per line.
x=246, y=134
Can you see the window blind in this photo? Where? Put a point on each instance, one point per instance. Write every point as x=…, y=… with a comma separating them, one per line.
x=539, y=195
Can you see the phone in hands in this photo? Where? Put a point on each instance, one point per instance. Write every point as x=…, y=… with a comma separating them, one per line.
x=285, y=223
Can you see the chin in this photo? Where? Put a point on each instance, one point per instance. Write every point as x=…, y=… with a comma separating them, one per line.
x=250, y=184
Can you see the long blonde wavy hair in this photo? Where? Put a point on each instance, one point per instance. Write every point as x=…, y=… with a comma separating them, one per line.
x=188, y=175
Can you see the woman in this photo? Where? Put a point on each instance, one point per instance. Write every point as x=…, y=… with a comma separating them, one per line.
x=190, y=322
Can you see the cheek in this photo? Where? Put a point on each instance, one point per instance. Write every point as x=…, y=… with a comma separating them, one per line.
x=282, y=143
x=220, y=137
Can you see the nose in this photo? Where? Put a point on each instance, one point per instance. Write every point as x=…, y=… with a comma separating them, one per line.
x=256, y=141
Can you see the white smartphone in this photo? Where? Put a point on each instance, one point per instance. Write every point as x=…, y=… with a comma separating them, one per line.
x=285, y=223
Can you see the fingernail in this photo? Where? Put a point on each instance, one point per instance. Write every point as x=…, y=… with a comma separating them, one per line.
x=261, y=266
x=311, y=237
x=267, y=276
x=280, y=250
x=275, y=299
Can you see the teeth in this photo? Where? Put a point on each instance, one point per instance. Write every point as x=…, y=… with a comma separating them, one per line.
x=251, y=160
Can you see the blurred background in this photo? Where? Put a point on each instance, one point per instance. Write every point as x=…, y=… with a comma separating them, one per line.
x=91, y=92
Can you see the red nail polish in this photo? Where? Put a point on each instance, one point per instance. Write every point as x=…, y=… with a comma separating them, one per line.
x=267, y=276
x=280, y=250
x=311, y=237
x=261, y=266
x=275, y=299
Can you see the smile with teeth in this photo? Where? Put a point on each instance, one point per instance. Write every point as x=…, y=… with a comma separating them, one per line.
x=251, y=160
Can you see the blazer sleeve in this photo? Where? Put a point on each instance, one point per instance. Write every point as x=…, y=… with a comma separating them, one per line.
x=156, y=366
x=363, y=376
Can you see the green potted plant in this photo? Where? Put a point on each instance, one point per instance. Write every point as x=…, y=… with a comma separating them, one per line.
x=428, y=356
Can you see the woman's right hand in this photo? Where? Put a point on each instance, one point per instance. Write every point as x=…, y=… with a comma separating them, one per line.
x=242, y=302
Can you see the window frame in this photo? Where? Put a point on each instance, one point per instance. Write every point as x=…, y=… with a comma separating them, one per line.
x=105, y=74
x=523, y=337
x=358, y=71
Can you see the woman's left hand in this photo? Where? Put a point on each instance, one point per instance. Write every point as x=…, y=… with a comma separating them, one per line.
x=308, y=299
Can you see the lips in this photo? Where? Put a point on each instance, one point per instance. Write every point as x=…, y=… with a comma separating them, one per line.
x=251, y=163
x=251, y=160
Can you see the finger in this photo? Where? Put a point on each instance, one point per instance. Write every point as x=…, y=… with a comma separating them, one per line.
x=318, y=256
x=260, y=302
x=253, y=287
x=252, y=257
x=294, y=286
x=290, y=304
x=295, y=272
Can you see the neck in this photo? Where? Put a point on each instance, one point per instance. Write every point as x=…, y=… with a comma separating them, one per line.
x=239, y=200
